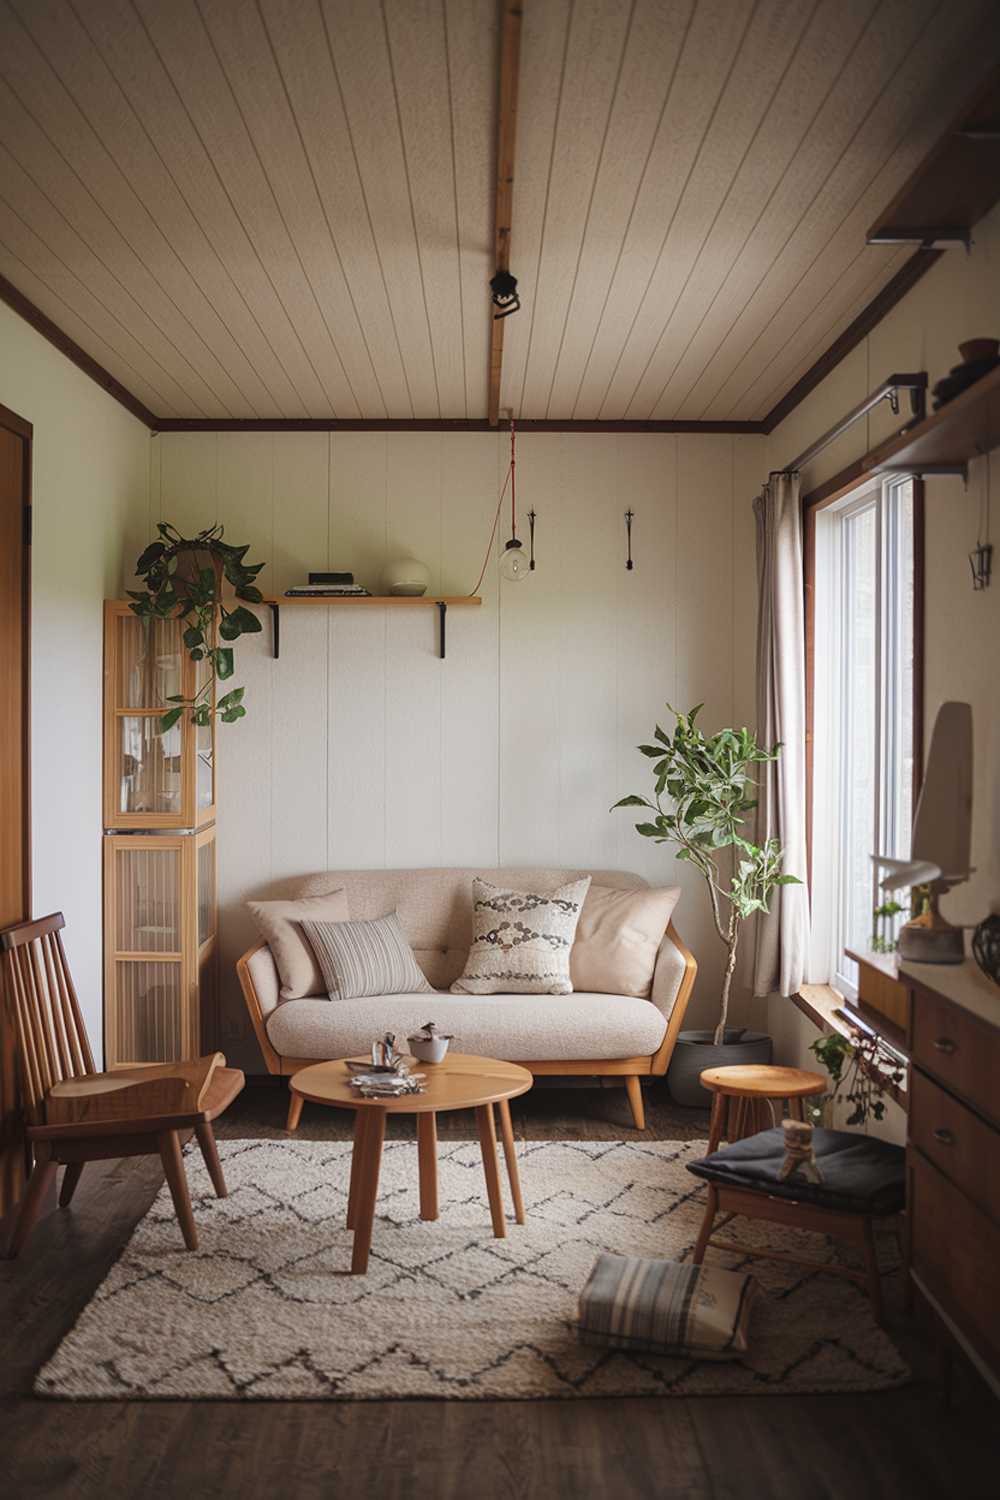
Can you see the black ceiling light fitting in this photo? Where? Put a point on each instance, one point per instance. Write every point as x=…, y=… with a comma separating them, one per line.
x=503, y=288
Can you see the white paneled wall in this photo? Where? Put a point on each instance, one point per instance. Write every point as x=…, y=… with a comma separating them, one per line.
x=362, y=749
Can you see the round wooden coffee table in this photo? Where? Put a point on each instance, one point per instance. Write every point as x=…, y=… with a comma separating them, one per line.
x=459, y=1082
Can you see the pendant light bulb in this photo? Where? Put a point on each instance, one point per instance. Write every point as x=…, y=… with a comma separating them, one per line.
x=514, y=561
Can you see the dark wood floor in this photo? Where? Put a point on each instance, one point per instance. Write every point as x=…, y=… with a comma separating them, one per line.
x=903, y=1443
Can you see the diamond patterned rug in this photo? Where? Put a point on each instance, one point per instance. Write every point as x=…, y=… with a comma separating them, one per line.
x=266, y=1308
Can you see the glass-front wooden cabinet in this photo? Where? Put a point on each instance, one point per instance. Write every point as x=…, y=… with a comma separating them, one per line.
x=160, y=946
x=160, y=907
x=152, y=780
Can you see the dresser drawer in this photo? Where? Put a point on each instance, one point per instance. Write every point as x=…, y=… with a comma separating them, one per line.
x=958, y=1049
x=963, y=1146
x=955, y=1253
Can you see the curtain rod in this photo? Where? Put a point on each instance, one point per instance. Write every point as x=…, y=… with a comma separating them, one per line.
x=915, y=382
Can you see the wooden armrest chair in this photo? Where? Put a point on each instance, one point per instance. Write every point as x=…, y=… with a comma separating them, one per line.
x=75, y=1114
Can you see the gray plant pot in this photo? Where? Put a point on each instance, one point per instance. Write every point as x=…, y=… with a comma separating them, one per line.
x=695, y=1051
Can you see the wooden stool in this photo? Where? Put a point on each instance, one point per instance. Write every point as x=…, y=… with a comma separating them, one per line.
x=741, y=1106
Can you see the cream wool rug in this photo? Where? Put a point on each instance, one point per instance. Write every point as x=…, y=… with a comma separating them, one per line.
x=266, y=1310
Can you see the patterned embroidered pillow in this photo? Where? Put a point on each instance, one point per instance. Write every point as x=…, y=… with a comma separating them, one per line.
x=663, y=1307
x=362, y=959
x=521, y=940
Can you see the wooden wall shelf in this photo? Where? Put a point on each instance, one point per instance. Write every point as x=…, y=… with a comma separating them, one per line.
x=959, y=181
x=967, y=427
x=380, y=601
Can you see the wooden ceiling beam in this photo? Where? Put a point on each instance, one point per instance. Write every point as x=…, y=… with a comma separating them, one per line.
x=510, y=61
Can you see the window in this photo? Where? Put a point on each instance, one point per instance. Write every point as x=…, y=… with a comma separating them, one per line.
x=865, y=735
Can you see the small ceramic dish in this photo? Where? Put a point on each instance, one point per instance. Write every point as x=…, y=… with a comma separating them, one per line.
x=429, y=1045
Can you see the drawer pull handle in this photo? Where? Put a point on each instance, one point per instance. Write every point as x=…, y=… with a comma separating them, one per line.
x=946, y=1045
x=944, y=1136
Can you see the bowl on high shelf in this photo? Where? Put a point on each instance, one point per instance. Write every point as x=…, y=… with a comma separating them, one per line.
x=696, y=1050
x=406, y=577
x=979, y=357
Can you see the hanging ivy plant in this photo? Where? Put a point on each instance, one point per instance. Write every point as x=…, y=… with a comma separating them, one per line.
x=183, y=578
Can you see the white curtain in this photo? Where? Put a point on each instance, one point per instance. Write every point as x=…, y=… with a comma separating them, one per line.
x=783, y=934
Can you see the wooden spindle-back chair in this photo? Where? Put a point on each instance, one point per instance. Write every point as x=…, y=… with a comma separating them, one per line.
x=75, y=1114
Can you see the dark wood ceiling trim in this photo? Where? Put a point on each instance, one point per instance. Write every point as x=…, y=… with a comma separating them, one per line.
x=906, y=277
x=44, y=325
x=436, y=424
x=510, y=62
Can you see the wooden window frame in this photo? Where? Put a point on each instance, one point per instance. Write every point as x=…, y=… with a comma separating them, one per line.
x=812, y=504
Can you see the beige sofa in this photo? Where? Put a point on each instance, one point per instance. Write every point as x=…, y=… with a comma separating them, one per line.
x=582, y=1034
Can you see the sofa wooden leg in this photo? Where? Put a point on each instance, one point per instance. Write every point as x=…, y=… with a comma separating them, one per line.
x=295, y=1103
x=633, y=1089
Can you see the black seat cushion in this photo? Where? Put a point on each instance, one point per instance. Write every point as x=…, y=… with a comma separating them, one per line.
x=860, y=1175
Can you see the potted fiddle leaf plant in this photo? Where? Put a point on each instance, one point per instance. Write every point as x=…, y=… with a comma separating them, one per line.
x=183, y=579
x=702, y=798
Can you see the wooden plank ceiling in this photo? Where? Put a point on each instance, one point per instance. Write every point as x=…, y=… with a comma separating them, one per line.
x=284, y=208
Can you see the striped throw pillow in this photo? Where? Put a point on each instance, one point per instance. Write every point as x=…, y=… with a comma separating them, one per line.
x=664, y=1307
x=361, y=959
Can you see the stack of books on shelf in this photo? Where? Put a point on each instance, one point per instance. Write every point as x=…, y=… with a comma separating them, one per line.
x=328, y=585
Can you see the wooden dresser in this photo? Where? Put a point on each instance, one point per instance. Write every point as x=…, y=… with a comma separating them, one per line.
x=953, y=1153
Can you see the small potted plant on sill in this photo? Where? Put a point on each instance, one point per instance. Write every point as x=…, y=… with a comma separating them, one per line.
x=184, y=578
x=862, y=1068
x=708, y=781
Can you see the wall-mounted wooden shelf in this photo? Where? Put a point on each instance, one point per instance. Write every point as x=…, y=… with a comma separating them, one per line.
x=963, y=429
x=957, y=183
x=948, y=439
x=371, y=601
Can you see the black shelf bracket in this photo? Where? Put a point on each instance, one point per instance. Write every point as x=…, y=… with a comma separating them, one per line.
x=442, y=608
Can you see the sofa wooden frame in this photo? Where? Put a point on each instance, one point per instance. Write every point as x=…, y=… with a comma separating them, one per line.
x=630, y=1069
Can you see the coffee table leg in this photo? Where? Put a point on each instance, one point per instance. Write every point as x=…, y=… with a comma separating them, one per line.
x=357, y=1156
x=510, y=1152
x=367, y=1190
x=428, y=1165
x=488, y=1141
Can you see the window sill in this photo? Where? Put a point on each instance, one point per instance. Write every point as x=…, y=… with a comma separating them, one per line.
x=823, y=1005
x=821, y=1002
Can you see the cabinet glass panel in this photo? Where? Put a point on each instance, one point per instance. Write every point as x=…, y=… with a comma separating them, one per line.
x=150, y=773
x=205, y=764
x=147, y=900
x=206, y=892
x=149, y=1011
x=149, y=662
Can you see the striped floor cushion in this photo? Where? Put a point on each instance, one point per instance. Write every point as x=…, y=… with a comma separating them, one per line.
x=663, y=1307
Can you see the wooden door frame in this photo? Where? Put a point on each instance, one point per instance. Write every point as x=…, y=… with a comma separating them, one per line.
x=11, y=422
x=24, y=430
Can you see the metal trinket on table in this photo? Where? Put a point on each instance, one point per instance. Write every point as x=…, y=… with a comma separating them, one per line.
x=388, y=1074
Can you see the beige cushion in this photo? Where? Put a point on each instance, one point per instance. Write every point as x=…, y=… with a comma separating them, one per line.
x=516, y=1028
x=618, y=937
x=435, y=905
x=521, y=940
x=278, y=922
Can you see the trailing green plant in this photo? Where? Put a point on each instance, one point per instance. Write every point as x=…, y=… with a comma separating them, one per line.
x=197, y=601
x=708, y=780
x=861, y=1067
